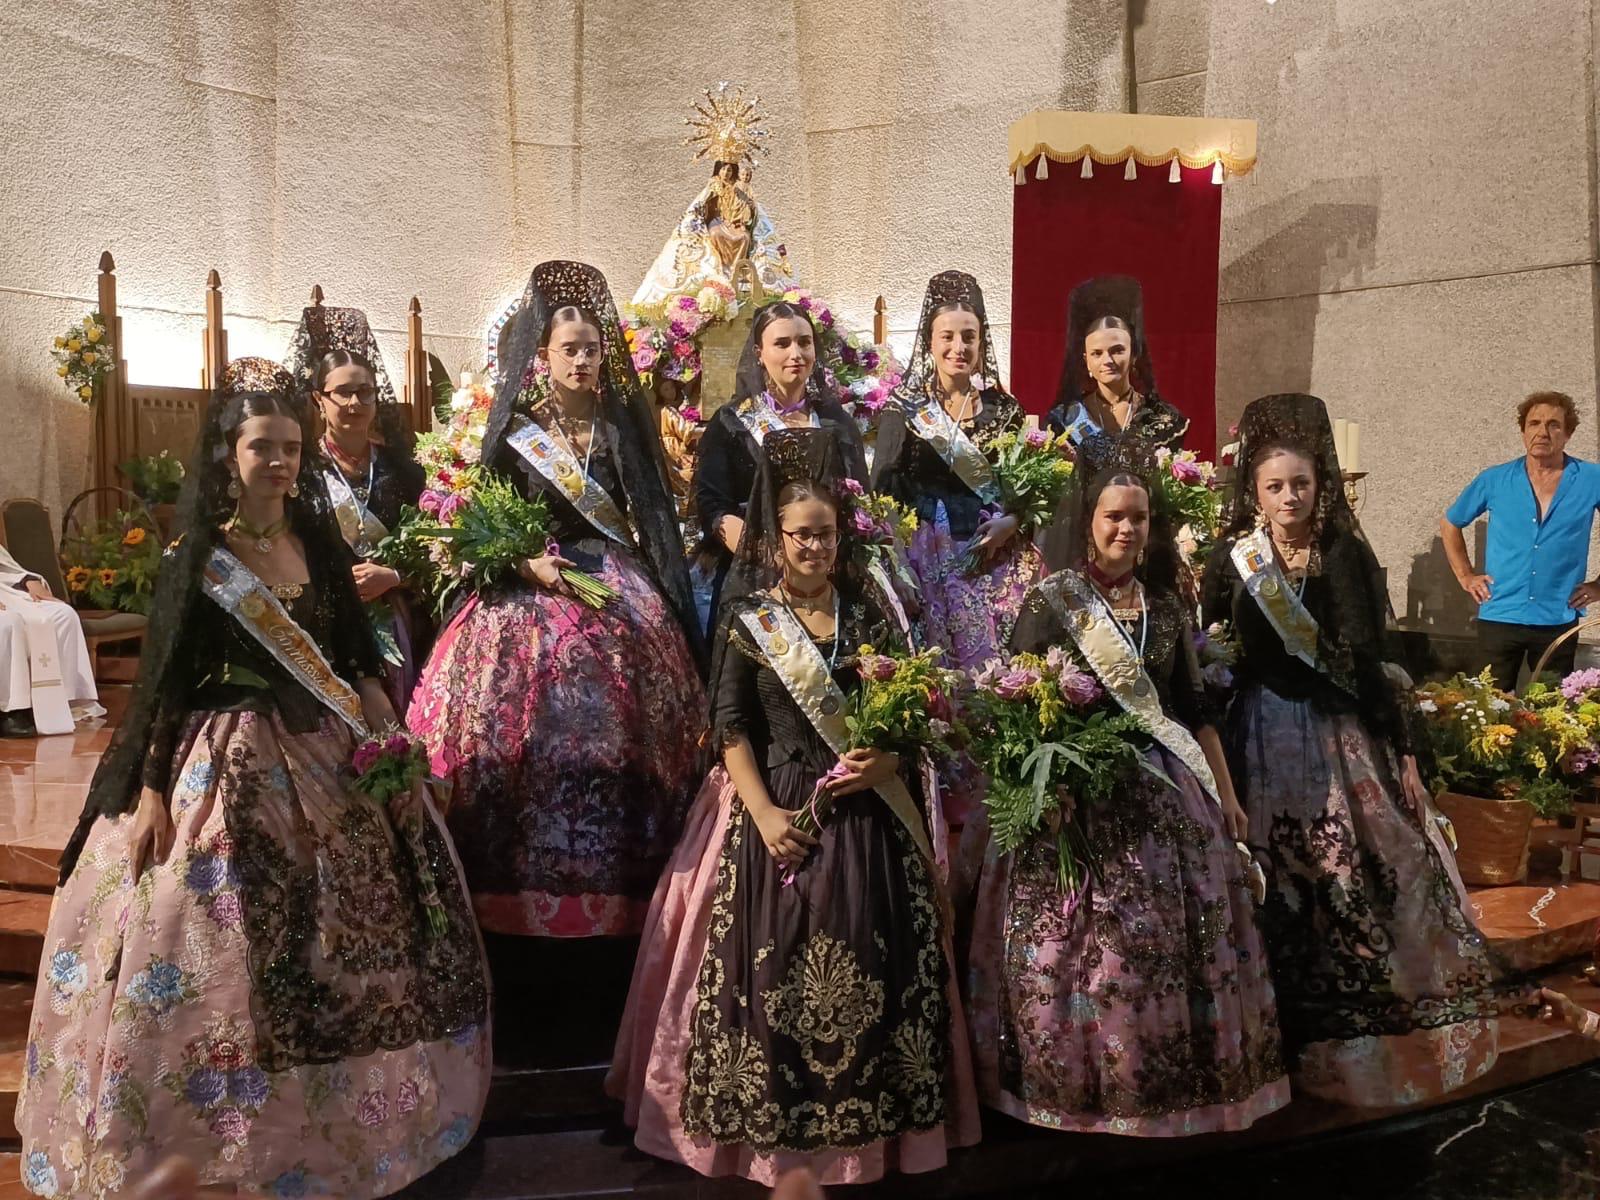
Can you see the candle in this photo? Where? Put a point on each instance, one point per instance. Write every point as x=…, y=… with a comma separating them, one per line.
x=466, y=379
x=1340, y=431
x=1352, y=444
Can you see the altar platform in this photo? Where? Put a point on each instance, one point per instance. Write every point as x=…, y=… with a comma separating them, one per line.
x=551, y=1132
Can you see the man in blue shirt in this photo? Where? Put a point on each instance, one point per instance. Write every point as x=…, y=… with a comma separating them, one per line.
x=1541, y=509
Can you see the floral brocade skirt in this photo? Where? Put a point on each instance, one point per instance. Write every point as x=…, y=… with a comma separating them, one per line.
x=1386, y=990
x=971, y=618
x=816, y=1024
x=1147, y=1009
x=572, y=738
x=269, y=1001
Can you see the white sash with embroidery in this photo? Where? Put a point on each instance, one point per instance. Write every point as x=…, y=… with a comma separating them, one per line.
x=555, y=463
x=243, y=596
x=1116, y=663
x=795, y=659
x=1081, y=426
x=47, y=695
x=759, y=419
x=930, y=422
x=1284, y=610
x=360, y=528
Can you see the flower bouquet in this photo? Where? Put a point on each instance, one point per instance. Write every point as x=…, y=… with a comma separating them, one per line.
x=1190, y=495
x=1051, y=743
x=1217, y=650
x=155, y=478
x=485, y=529
x=1032, y=469
x=387, y=771
x=83, y=356
x=882, y=528
x=905, y=704
x=113, y=563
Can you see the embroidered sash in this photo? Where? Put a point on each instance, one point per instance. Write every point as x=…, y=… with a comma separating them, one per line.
x=555, y=463
x=1116, y=663
x=47, y=689
x=356, y=522
x=930, y=422
x=1081, y=426
x=795, y=659
x=1285, y=612
x=759, y=420
x=243, y=596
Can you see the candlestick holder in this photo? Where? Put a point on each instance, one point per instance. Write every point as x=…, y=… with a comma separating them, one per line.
x=1354, y=495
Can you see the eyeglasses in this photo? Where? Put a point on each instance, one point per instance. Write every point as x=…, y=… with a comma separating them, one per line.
x=590, y=353
x=827, y=539
x=345, y=397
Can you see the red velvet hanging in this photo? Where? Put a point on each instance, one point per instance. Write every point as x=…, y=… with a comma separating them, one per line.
x=1066, y=229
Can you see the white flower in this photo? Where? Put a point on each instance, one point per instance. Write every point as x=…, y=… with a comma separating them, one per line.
x=1427, y=706
x=1499, y=704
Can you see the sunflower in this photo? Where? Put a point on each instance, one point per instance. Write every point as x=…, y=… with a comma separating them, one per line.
x=78, y=578
x=109, y=576
x=134, y=536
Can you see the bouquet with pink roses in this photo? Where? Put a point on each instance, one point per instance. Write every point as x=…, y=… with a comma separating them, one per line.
x=1051, y=742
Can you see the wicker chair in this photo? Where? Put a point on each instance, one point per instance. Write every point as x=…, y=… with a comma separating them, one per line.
x=28, y=533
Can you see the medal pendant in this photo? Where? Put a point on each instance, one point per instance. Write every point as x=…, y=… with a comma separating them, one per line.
x=829, y=705
x=263, y=546
x=1269, y=588
x=780, y=644
x=1141, y=687
x=252, y=605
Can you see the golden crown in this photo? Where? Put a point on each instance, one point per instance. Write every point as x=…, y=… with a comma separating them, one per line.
x=726, y=126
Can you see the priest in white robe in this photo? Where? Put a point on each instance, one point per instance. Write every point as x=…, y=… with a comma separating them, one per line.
x=46, y=679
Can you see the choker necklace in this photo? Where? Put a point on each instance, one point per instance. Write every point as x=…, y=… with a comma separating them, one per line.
x=264, y=538
x=339, y=454
x=797, y=594
x=1113, y=588
x=784, y=410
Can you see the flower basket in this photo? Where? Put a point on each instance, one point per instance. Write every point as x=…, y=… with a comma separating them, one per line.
x=1493, y=837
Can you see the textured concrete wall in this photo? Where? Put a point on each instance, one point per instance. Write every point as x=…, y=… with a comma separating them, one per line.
x=1417, y=245
x=419, y=147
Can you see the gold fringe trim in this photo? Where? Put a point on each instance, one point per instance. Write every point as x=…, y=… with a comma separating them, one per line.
x=1113, y=139
x=1230, y=163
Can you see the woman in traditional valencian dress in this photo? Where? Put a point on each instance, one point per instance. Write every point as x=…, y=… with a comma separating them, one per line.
x=571, y=733
x=813, y=1022
x=781, y=385
x=1144, y=1007
x=1107, y=396
x=930, y=457
x=249, y=962
x=1385, y=985
x=369, y=472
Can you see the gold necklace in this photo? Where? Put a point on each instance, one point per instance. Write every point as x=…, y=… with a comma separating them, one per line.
x=264, y=538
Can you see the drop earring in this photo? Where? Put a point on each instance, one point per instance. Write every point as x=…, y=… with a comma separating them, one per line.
x=234, y=490
x=294, y=488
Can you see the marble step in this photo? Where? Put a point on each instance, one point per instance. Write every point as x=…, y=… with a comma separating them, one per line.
x=24, y=917
x=16, y=1004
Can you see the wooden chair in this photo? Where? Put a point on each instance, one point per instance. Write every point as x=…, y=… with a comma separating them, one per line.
x=28, y=533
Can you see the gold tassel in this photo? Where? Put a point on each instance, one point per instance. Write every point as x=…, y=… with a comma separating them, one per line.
x=1021, y=177
x=1042, y=171
x=1131, y=171
x=1175, y=175
x=1088, y=168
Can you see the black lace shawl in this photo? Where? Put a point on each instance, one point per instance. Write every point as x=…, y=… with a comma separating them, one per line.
x=906, y=467
x=626, y=424
x=178, y=607
x=323, y=328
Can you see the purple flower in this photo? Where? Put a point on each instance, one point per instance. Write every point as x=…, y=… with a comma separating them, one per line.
x=230, y=1125
x=1577, y=684
x=690, y=414
x=451, y=505
x=205, y=1087
x=225, y=910
x=429, y=502
x=1079, y=687
x=869, y=360
x=248, y=1087
x=851, y=486
x=644, y=356
x=861, y=521
x=688, y=304
x=1185, y=471
x=1580, y=760
x=848, y=354
x=205, y=874
x=678, y=330
x=1036, y=438
x=1015, y=682
x=1217, y=675
x=365, y=756
x=398, y=743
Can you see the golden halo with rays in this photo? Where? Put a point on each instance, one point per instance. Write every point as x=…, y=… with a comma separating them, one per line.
x=726, y=126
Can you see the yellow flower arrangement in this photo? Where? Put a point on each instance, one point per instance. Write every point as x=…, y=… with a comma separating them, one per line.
x=79, y=368
x=78, y=579
x=109, y=576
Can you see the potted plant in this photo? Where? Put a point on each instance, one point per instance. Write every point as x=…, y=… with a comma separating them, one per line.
x=156, y=479
x=1500, y=763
